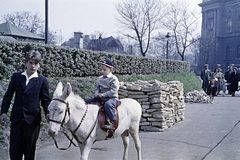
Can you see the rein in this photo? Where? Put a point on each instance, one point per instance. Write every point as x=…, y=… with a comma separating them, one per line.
x=75, y=130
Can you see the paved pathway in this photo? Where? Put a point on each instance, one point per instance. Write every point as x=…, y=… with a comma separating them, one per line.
x=209, y=132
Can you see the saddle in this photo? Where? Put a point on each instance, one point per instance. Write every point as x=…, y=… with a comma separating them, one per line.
x=103, y=119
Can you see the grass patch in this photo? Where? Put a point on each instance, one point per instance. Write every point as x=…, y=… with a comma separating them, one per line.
x=84, y=86
x=190, y=80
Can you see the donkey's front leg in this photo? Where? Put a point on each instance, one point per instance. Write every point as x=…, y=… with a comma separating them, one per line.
x=85, y=150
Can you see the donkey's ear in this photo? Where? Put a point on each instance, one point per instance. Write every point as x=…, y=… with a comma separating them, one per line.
x=67, y=90
x=58, y=90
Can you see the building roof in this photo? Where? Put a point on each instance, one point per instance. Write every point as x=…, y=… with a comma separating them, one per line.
x=7, y=38
x=8, y=29
x=104, y=42
x=108, y=44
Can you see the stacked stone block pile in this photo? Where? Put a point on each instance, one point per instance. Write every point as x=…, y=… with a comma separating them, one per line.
x=162, y=103
x=196, y=97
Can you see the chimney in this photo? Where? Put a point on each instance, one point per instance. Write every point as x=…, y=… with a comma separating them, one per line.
x=86, y=41
x=77, y=37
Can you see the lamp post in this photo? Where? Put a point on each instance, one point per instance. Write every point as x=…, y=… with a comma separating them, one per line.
x=46, y=21
x=167, y=36
x=100, y=42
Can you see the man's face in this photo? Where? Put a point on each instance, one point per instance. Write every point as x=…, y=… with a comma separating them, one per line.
x=104, y=70
x=235, y=70
x=32, y=66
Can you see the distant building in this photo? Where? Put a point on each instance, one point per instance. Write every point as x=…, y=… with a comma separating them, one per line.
x=75, y=42
x=69, y=43
x=11, y=32
x=220, y=33
x=108, y=44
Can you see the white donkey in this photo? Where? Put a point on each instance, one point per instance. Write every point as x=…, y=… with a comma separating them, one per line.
x=71, y=111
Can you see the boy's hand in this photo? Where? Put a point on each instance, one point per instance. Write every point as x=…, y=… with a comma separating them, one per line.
x=47, y=117
x=98, y=95
x=3, y=119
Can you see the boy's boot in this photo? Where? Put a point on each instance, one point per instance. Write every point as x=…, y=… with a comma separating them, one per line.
x=110, y=126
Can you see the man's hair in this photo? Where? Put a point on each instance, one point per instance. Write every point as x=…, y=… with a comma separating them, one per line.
x=34, y=55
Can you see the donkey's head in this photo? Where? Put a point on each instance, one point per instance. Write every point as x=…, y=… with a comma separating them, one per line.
x=59, y=111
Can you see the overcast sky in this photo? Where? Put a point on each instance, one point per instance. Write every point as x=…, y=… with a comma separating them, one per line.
x=68, y=16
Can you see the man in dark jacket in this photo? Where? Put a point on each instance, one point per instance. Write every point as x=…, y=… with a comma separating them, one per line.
x=227, y=78
x=28, y=89
x=205, y=76
x=234, y=81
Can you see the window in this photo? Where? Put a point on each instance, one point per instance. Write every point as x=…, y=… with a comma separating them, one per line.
x=210, y=24
x=238, y=23
x=229, y=25
x=238, y=51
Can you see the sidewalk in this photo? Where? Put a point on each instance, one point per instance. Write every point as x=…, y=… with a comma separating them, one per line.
x=209, y=132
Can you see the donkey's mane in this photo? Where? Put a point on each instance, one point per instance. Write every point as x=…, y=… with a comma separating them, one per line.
x=76, y=97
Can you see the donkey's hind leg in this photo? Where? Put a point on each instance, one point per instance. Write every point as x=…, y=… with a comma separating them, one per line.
x=125, y=138
x=137, y=142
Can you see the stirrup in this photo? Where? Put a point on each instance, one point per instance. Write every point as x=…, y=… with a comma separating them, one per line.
x=110, y=126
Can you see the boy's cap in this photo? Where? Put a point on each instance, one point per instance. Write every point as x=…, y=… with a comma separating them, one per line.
x=107, y=63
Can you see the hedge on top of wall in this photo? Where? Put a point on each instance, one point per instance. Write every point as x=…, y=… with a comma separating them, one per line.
x=71, y=62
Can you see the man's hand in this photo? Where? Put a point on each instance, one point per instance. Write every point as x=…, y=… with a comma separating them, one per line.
x=3, y=119
x=47, y=117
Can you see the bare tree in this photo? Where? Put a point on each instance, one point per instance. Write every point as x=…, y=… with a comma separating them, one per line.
x=160, y=45
x=206, y=46
x=183, y=23
x=26, y=20
x=139, y=18
x=30, y=22
x=97, y=35
x=52, y=37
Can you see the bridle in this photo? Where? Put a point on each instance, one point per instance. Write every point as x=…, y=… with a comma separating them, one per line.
x=67, y=111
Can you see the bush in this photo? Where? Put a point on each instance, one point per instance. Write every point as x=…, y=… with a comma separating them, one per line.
x=72, y=62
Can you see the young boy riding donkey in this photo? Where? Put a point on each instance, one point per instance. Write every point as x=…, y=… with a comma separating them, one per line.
x=106, y=92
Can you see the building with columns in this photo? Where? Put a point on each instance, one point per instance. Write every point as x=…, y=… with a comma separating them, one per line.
x=220, y=42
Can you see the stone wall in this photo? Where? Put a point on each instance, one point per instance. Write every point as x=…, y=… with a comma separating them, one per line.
x=162, y=103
